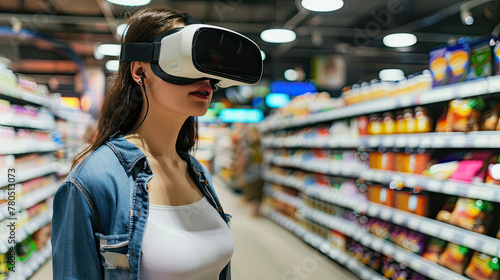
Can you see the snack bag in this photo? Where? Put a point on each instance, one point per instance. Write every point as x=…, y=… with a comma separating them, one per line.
x=464, y=114
x=434, y=249
x=389, y=267
x=402, y=273
x=454, y=257
x=493, y=175
x=472, y=214
x=438, y=67
x=457, y=58
x=482, y=267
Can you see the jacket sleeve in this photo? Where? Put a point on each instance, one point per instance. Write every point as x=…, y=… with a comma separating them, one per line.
x=74, y=250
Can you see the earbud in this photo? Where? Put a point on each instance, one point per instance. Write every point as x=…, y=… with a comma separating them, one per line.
x=140, y=81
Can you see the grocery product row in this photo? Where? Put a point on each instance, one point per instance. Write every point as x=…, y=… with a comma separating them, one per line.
x=387, y=248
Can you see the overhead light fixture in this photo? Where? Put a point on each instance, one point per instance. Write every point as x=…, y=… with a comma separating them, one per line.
x=122, y=30
x=113, y=65
x=109, y=49
x=263, y=54
x=322, y=5
x=391, y=75
x=399, y=40
x=466, y=15
x=130, y=2
x=278, y=35
x=291, y=75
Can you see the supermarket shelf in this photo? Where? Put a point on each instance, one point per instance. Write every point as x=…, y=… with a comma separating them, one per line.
x=283, y=197
x=323, y=246
x=34, y=172
x=18, y=96
x=30, y=199
x=31, y=146
x=461, y=90
x=287, y=181
x=26, y=122
x=457, y=235
x=415, y=262
x=480, y=139
x=78, y=118
x=457, y=188
x=358, y=203
x=27, y=269
x=29, y=228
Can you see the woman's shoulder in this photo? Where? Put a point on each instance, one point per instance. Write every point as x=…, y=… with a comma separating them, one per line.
x=97, y=169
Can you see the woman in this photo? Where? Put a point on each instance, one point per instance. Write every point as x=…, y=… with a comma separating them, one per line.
x=112, y=218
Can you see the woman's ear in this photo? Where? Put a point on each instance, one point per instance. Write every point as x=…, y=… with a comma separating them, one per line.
x=137, y=71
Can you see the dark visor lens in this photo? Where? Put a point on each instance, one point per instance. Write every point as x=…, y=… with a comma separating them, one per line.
x=226, y=54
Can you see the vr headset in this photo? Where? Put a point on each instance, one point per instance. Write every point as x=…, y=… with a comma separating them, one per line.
x=199, y=52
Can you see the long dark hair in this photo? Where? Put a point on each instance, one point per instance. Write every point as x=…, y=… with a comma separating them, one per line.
x=122, y=105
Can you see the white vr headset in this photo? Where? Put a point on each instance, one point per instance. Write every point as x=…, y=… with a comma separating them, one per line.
x=199, y=52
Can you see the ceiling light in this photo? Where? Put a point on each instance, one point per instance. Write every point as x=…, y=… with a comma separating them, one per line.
x=291, y=75
x=469, y=20
x=263, y=54
x=391, y=75
x=398, y=40
x=109, y=49
x=130, y=2
x=278, y=35
x=122, y=30
x=113, y=65
x=322, y=5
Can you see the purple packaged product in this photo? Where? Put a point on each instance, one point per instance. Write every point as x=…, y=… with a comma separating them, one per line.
x=438, y=67
x=417, y=276
x=402, y=272
x=457, y=59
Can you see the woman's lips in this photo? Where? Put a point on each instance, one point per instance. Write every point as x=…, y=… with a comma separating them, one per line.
x=202, y=92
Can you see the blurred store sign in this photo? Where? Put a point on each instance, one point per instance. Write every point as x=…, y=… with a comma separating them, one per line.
x=293, y=88
x=241, y=115
x=277, y=100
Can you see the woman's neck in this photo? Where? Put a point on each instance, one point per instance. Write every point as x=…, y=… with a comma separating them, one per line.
x=157, y=136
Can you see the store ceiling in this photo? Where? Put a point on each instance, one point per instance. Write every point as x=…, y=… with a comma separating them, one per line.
x=355, y=31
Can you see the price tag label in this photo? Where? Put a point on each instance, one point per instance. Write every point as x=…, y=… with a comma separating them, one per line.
x=432, y=185
x=385, y=214
x=447, y=235
x=429, y=228
x=471, y=243
x=373, y=141
x=388, y=250
x=426, y=141
x=413, y=141
x=406, y=101
x=372, y=211
x=377, y=245
x=482, y=141
x=400, y=141
x=398, y=218
x=411, y=182
x=450, y=187
x=413, y=224
x=458, y=141
x=388, y=141
x=472, y=88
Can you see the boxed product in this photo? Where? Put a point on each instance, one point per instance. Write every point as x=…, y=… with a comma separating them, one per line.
x=337, y=239
x=402, y=273
x=473, y=167
x=412, y=162
x=380, y=194
x=380, y=228
x=481, y=59
x=457, y=58
x=410, y=240
x=438, y=67
x=409, y=201
x=381, y=159
x=482, y=267
x=455, y=257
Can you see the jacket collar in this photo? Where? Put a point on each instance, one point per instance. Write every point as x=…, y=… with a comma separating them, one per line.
x=129, y=154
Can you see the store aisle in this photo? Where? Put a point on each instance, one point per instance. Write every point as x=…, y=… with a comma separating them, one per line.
x=264, y=250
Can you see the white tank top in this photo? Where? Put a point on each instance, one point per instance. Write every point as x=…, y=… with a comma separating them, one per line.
x=185, y=242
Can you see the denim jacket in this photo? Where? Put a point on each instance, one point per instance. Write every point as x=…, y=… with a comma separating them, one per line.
x=101, y=209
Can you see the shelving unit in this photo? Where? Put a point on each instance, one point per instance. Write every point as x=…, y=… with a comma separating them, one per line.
x=27, y=269
x=323, y=246
x=358, y=203
x=445, y=93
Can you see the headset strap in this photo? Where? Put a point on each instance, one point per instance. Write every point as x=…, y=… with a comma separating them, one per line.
x=146, y=52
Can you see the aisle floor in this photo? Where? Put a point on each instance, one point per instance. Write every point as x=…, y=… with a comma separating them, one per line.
x=263, y=250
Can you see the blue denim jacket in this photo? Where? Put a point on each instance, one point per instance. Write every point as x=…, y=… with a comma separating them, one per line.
x=101, y=209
